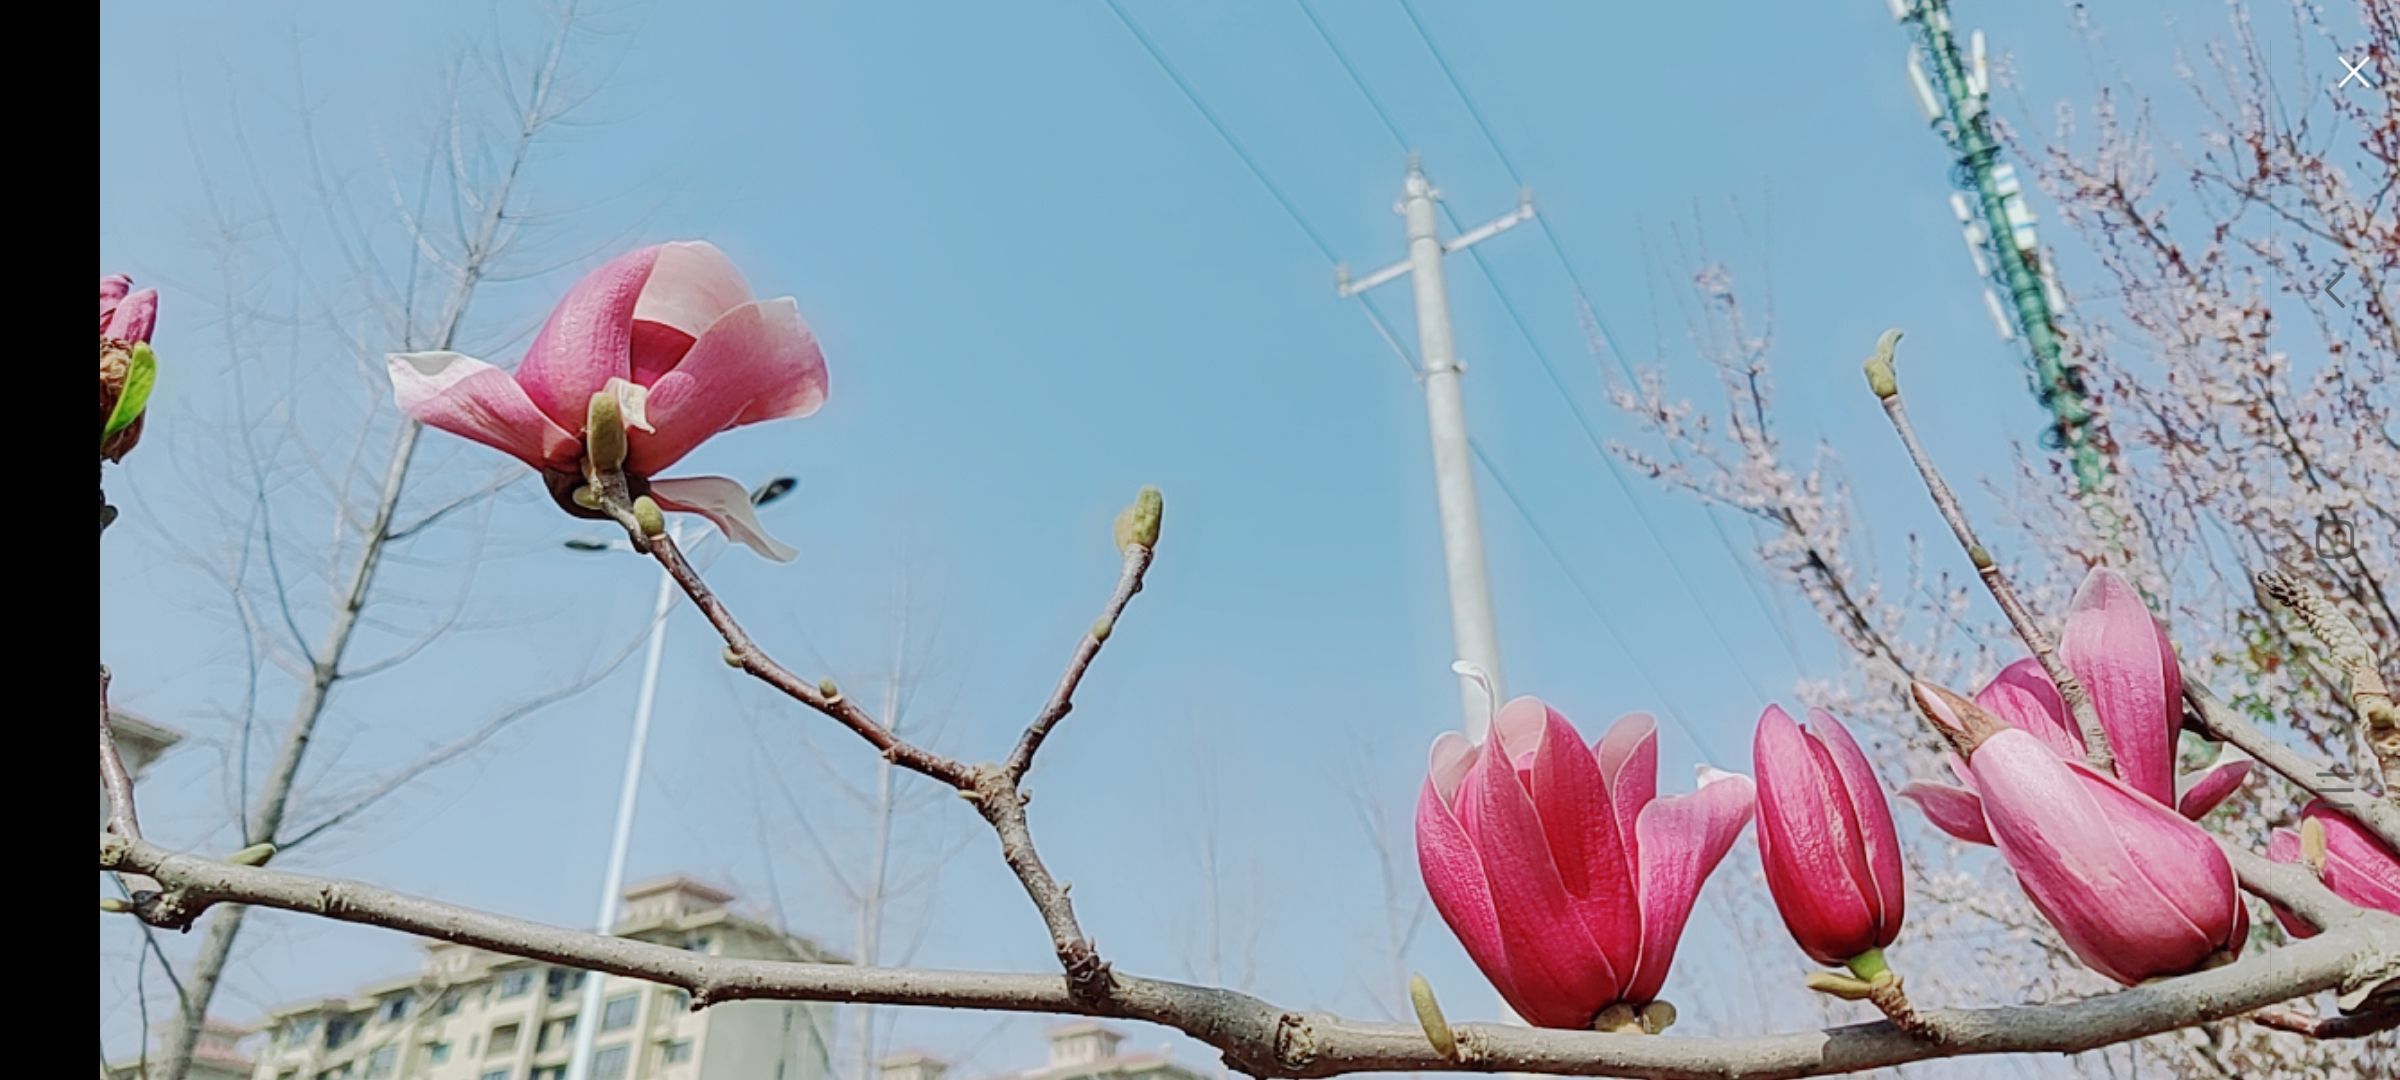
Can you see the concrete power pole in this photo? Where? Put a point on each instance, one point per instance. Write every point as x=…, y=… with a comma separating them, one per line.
x=1472, y=633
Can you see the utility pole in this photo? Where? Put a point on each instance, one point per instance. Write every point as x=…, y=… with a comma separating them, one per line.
x=1472, y=632
x=1999, y=231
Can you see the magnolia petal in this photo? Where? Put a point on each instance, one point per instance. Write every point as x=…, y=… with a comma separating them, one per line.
x=1447, y=764
x=2023, y=695
x=1954, y=810
x=1681, y=839
x=113, y=288
x=633, y=403
x=132, y=319
x=1875, y=823
x=467, y=397
x=2117, y=874
x=1561, y=976
x=2117, y=650
x=1572, y=800
x=725, y=503
x=1628, y=755
x=2358, y=868
x=1454, y=873
x=758, y=362
x=1810, y=843
x=692, y=285
x=2204, y=790
x=588, y=339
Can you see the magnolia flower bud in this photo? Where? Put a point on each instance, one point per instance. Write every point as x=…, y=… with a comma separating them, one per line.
x=1138, y=523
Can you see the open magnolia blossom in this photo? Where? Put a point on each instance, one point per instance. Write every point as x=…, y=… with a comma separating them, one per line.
x=670, y=331
x=2136, y=890
x=1565, y=876
x=2353, y=863
x=2122, y=657
x=1825, y=838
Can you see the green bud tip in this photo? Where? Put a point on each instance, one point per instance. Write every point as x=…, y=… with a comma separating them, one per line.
x=1841, y=986
x=1620, y=1018
x=585, y=497
x=604, y=433
x=114, y=906
x=647, y=514
x=1880, y=376
x=1657, y=1017
x=731, y=656
x=1869, y=964
x=1101, y=628
x=827, y=687
x=2312, y=844
x=1138, y=523
x=1429, y=1017
x=1981, y=558
x=254, y=855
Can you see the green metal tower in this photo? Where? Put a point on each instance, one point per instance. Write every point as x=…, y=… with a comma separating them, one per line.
x=1999, y=231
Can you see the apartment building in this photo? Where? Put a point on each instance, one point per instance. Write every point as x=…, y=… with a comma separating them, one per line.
x=216, y=1055
x=476, y=1015
x=1081, y=1050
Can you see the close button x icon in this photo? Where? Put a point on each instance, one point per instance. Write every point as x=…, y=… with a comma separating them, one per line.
x=2354, y=72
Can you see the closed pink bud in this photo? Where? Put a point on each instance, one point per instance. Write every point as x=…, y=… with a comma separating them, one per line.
x=1559, y=869
x=1825, y=836
x=126, y=316
x=671, y=332
x=2135, y=889
x=2358, y=867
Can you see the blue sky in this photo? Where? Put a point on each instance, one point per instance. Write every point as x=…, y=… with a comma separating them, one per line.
x=1042, y=281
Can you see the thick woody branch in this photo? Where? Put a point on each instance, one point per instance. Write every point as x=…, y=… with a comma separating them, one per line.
x=1267, y=1040
x=116, y=781
x=2213, y=718
x=1882, y=378
x=1062, y=700
x=2356, y=1026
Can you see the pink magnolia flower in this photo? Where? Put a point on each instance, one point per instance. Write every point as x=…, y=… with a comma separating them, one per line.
x=126, y=316
x=1564, y=876
x=671, y=330
x=126, y=319
x=2135, y=889
x=2358, y=867
x=1825, y=837
x=2122, y=657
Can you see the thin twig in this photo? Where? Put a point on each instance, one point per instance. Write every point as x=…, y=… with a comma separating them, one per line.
x=1881, y=377
x=2355, y=1026
x=1268, y=1040
x=1062, y=700
x=754, y=660
x=2216, y=720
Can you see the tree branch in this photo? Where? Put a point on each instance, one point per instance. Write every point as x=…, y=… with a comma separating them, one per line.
x=2216, y=720
x=1268, y=1040
x=1062, y=700
x=1885, y=382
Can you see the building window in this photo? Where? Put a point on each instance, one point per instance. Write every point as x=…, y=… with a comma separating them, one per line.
x=609, y=1064
x=554, y=1072
x=515, y=983
x=451, y=1000
x=564, y=981
x=339, y=1030
x=504, y=1040
x=618, y=1015
x=675, y=1053
x=698, y=943
x=495, y=1074
x=437, y=1053
x=555, y=1033
x=395, y=1007
x=679, y=999
x=299, y=1031
x=383, y=1060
